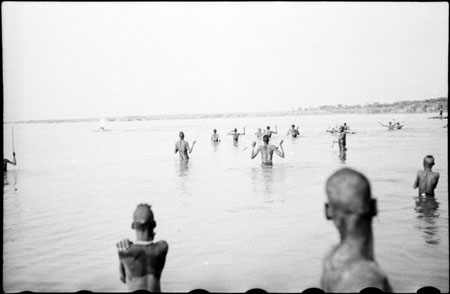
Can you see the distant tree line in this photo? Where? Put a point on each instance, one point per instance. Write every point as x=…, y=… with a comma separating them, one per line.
x=419, y=106
x=428, y=105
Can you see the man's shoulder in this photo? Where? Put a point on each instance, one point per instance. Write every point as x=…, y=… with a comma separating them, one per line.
x=131, y=251
x=362, y=274
x=162, y=245
x=135, y=249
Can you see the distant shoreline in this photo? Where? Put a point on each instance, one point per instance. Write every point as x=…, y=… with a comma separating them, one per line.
x=420, y=106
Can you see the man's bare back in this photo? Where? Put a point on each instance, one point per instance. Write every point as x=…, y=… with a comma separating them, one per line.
x=267, y=151
x=141, y=263
x=182, y=146
x=427, y=180
x=141, y=266
x=341, y=274
x=234, y=133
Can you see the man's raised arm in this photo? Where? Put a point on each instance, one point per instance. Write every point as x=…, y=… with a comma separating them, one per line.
x=280, y=153
x=253, y=155
x=190, y=149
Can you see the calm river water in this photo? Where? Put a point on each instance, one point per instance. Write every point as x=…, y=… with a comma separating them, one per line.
x=231, y=225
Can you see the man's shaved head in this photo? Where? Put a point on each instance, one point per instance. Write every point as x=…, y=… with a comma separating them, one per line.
x=428, y=161
x=143, y=217
x=349, y=191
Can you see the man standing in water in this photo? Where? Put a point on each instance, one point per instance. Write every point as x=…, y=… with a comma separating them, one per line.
x=236, y=135
x=440, y=111
x=6, y=161
x=141, y=263
x=215, y=137
x=342, y=138
x=398, y=126
x=351, y=265
x=259, y=134
x=390, y=126
x=269, y=132
x=267, y=151
x=183, y=147
x=293, y=131
x=427, y=180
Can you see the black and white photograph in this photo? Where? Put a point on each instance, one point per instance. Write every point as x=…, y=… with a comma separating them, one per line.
x=225, y=146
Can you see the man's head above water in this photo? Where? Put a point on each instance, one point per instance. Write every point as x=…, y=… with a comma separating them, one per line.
x=349, y=192
x=143, y=218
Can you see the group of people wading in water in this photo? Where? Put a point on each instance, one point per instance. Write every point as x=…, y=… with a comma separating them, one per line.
x=350, y=266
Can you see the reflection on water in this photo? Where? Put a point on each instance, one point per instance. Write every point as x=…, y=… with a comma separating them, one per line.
x=215, y=146
x=182, y=179
x=263, y=180
x=427, y=213
x=183, y=167
x=343, y=155
x=10, y=179
x=268, y=180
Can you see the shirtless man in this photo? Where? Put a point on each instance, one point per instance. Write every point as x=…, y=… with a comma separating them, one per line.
x=183, y=147
x=293, y=131
x=350, y=266
x=269, y=132
x=259, y=134
x=236, y=135
x=390, y=126
x=427, y=180
x=440, y=111
x=267, y=151
x=215, y=137
x=398, y=126
x=142, y=262
x=342, y=136
x=6, y=161
x=346, y=127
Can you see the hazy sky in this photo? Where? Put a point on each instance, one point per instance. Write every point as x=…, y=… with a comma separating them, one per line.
x=79, y=60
